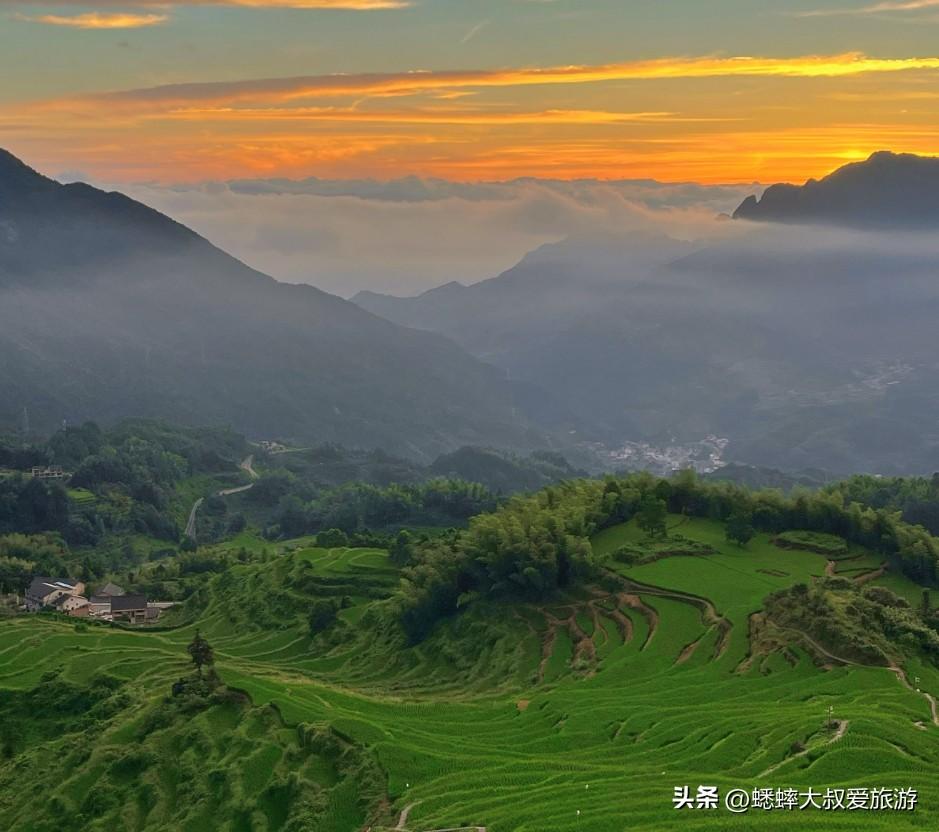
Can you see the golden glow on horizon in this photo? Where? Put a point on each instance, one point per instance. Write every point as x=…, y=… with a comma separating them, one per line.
x=98, y=20
x=422, y=116
x=707, y=119
x=338, y=5
x=348, y=5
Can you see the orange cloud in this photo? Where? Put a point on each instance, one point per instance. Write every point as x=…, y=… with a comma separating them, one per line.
x=421, y=116
x=890, y=6
x=339, y=5
x=675, y=119
x=349, y=5
x=415, y=82
x=97, y=20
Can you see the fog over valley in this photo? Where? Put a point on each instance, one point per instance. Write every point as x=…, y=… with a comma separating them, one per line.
x=407, y=236
x=639, y=315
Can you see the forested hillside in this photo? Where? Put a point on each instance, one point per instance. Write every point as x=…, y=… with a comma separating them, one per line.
x=336, y=684
x=110, y=310
x=145, y=490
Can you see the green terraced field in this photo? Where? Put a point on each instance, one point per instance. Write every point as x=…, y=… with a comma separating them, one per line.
x=81, y=498
x=600, y=703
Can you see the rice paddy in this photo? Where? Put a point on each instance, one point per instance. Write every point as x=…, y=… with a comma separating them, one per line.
x=581, y=715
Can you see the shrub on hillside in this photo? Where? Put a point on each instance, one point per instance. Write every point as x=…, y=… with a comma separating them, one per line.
x=818, y=542
x=323, y=612
x=633, y=554
x=885, y=597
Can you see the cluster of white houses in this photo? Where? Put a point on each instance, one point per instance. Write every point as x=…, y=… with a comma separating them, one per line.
x=49, y=472
x=109, y=603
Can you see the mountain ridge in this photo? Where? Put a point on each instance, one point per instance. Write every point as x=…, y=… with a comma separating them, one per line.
x=888, y=190
x=109, y=309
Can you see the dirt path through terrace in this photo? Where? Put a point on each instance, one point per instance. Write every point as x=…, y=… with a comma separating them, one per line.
x=247, y=465
x=225, y=492
x=901, y=675
x=689, y=649
x=583, y=646
x=754, y=620
x=623, y=623
x=650, y=614
x=403, y=817
x=406, y=813
x=709, y=614
x=839, y=733
x=460, y=829
x=894, y=668
x=815, y=645
x=598, y=629
x=547, y=649
x=191, y=524
x=598, y=611
x=872, y=575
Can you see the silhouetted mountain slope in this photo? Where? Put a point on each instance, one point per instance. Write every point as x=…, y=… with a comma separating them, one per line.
x=545, y=322
x=888, y=190
x=547, y=291
x=110, y=309
x=505, y=473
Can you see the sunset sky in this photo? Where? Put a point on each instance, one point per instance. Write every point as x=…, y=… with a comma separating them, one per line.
x=677, y=90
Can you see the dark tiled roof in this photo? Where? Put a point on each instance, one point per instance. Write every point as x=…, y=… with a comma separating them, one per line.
x=111, y=589
x=125, y=603
x=41, y=586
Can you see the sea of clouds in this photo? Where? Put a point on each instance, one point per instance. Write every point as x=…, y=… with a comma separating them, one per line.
x=408, y=235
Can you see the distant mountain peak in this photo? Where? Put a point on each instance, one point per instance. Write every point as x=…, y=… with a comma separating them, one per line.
x=16, y=175
x=10, y=162
x=91, y=226
x=888, y=190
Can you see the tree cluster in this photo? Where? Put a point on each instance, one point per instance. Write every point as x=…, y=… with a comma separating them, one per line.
x=533, y=546
x=916, y=498
x=529, y=548
x=356, y=507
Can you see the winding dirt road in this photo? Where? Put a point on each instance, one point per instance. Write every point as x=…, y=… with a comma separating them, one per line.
x=839, y=733
x=893, y=667
x=246, y=465
x=403, y=817
x=191, y=524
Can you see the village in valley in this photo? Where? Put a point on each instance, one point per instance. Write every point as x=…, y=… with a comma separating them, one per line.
x=108, y=603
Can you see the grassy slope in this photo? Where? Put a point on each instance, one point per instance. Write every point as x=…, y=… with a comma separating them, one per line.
x=631, y=726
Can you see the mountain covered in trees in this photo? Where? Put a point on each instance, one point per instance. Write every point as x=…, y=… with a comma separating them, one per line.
x=109, y=310
x=897, y=191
